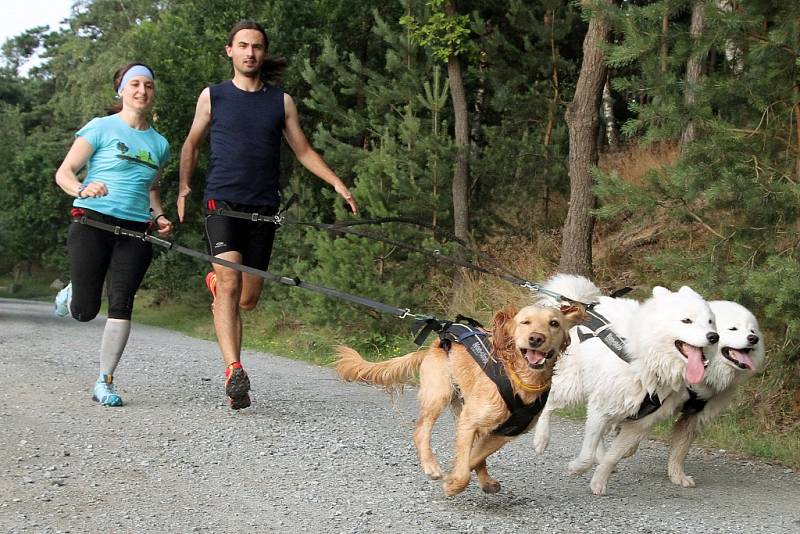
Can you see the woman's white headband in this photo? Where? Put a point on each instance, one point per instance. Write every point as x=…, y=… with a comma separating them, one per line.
x=133, y=72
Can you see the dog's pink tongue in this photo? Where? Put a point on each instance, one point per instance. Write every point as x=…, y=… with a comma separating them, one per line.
x=534, y=357
x=743, y=359
x=694, y=367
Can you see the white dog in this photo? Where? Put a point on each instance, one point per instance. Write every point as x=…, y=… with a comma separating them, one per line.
x=660, y=348
x=739, y=356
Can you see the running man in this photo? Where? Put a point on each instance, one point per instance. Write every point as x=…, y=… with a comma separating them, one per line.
x=246, y=118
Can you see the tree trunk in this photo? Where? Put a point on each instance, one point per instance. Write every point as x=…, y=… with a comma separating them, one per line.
x=461, y=120
x=733, y=53
x=694, y=68
x=610, y=122
x=583, y=121
x=461, y=174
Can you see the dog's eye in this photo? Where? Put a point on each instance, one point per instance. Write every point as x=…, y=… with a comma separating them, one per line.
x=733, y=329
x=554, y=323
x=525, y=322
x=686, y=321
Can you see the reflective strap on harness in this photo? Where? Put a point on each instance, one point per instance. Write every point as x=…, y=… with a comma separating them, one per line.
x=597, y=326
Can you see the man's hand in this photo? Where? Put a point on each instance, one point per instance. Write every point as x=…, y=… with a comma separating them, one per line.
x=348, y=197
x=182, y=196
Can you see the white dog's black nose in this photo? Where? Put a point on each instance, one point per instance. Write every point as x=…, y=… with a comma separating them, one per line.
x=535, y=339
x=712, y=337
x=752, y=339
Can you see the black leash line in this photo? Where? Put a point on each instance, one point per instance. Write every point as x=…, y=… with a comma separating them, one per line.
x=343, y=227
x=402, y=313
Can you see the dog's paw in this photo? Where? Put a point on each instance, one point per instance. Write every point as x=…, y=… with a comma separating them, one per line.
x=433, y=471
x=683, y=480
x=490, y=486
x=454, y=486
x=540, y=442
x=598, y=486
x=578, y=467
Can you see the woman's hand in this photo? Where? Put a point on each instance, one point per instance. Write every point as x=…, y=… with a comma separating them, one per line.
x=92, y=190
x=164, y=225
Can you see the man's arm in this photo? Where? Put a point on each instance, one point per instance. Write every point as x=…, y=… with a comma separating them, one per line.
x=307, y=156
x=191, y=148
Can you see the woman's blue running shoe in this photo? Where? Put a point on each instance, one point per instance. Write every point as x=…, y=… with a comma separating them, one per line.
x=63, y=301
x=104, y=391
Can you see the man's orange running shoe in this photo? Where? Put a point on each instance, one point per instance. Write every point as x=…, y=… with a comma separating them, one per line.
x=211, y=284
x=237, y=384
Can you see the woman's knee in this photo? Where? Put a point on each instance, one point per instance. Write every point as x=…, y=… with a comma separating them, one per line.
x=84, y=314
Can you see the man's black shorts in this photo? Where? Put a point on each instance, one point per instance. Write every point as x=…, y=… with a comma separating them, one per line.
x=252, y=239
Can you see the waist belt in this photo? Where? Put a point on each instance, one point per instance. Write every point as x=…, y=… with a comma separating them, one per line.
x=138, y=226
x=474, y=340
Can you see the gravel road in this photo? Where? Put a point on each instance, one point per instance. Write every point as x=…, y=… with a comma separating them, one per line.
x=312, y=454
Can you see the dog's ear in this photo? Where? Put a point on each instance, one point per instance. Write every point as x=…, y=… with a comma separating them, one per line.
x=574, y=313
x=503, y=327
x=566, y=342
x=659, y=291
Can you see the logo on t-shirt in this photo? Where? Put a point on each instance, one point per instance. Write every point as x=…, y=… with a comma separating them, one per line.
x=141, y=157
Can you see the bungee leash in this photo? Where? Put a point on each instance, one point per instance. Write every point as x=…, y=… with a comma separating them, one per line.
x=402, y=313
x=343, y=227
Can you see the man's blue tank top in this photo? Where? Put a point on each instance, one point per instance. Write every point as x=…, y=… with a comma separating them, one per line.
x=246, y=131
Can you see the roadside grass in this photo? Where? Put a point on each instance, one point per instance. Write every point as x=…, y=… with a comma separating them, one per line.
x=34, y=287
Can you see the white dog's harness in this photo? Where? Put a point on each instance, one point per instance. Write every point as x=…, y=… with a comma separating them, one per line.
x=474, y=340
x=597, y=326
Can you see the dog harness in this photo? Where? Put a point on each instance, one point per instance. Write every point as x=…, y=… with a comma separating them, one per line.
x=474, y=340
x=694, y=405
x=597, y=326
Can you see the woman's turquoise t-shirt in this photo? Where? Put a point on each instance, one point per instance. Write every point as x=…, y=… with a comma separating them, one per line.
x=127, y=160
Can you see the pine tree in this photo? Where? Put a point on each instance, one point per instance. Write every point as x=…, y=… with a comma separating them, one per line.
x=734, y=191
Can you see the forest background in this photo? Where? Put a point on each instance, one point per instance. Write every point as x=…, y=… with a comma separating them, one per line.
x=640, y=142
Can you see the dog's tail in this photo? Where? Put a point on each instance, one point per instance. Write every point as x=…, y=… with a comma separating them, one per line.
x=351, y=367
x=574, y=287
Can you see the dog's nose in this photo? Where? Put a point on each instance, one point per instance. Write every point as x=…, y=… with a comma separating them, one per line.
x=712, y=337
x=535, y=339
x=752, y=339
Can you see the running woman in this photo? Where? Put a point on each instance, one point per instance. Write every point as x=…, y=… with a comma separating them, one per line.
x=124, y=157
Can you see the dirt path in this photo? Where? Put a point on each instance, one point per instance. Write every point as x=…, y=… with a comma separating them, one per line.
x=312, y=455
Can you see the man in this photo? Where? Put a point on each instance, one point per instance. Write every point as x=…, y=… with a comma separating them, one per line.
x=246, y=118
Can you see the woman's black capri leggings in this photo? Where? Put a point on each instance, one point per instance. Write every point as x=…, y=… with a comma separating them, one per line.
x=96, y=255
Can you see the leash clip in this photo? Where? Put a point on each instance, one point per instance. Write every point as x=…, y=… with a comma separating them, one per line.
x=278, y=219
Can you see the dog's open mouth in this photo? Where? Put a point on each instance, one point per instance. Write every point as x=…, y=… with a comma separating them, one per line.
x=739, y=357
x=695, y=361
x=536, y=358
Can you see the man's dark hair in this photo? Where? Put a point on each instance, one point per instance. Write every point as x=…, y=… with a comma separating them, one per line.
x=273, y=68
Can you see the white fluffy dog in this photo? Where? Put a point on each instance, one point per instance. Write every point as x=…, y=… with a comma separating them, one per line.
x=739, y=356
x=664, y=340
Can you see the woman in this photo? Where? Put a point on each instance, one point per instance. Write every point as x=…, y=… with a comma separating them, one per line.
x=125, y=158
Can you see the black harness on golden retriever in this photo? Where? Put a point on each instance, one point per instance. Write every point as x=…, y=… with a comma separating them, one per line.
x=474, y=340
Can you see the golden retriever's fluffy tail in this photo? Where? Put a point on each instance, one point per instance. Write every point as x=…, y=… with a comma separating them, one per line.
x=353, y=368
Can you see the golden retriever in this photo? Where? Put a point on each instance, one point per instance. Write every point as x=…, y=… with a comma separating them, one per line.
x=526, y=344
